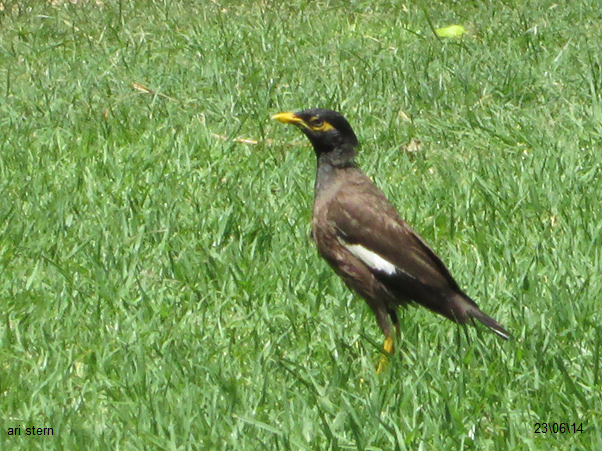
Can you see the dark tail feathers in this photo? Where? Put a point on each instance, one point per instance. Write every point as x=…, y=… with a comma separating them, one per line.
x=491, y=323
x=465, y=308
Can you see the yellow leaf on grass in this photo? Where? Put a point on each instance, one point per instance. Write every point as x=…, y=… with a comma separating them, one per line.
x=453, y=31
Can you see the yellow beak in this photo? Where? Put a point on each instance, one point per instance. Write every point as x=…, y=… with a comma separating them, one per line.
x=289, y=118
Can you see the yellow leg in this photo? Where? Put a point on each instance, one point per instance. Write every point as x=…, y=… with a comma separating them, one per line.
x=388, y=347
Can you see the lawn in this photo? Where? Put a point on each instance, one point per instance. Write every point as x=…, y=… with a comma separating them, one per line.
x=158, y=285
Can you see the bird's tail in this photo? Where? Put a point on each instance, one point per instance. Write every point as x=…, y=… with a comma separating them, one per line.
x=464, y=308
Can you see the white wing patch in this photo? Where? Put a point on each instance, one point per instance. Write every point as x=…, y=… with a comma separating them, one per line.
x=369, y=258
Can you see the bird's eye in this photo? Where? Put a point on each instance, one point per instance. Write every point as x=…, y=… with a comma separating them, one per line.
x=316, y=123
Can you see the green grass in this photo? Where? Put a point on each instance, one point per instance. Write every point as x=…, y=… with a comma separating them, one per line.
x=158, y=286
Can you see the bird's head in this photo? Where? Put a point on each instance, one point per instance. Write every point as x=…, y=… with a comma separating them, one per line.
x=327, y=130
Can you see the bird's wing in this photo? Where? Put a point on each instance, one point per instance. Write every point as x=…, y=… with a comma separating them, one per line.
x=368, y=226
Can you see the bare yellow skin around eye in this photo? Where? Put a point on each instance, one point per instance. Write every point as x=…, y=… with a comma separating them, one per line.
x=290, y=118
x=322, y=127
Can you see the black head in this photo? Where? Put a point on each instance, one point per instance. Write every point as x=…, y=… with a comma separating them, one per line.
x=327, y=130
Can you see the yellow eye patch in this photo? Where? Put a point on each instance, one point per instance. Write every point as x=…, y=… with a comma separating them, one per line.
x=317, y=125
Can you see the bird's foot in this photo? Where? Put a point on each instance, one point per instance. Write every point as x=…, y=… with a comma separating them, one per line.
x=388, y=347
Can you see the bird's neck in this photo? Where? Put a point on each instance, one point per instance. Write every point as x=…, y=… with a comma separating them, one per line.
x=341, y=157
x=329, y=164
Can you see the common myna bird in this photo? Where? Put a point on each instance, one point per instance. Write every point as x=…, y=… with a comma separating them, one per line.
x=361, y=236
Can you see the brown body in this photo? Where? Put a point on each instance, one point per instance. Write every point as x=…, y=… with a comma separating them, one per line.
x=361, y=236
x=353, y=210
